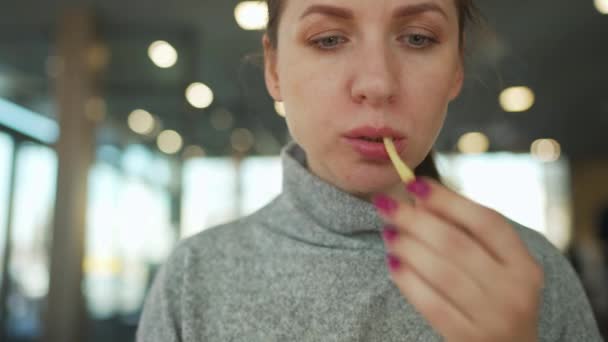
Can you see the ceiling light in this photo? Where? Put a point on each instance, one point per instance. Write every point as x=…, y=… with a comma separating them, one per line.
x=473, y=143
x=517, y=99
x=169, y=142
x=601, y=6
x=141, y=122
x=546, y=150
x=251, y=15
x=162, y=54
x=199, y=95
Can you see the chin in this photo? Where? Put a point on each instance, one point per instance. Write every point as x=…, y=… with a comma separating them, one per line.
x=361, y=178
x=364, y=182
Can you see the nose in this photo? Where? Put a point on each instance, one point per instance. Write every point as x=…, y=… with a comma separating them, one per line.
x=375, y=80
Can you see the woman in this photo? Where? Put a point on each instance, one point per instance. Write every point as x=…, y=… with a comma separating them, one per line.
x=310, y=266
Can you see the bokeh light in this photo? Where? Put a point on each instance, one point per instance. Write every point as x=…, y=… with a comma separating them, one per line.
x=547, y=150
x=601, y=6
x=517, y=99
x=162, y=54
x=242, y=140
x=251, y=15
x=193, y=151
x=221, y=119
x=473, y=143
x=199, y=95
x=169, y=142
x=141, y=122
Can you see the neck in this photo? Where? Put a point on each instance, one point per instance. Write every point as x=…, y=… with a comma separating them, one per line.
x=396, y=191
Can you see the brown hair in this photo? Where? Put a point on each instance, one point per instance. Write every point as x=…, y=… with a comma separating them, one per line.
x=467, y=13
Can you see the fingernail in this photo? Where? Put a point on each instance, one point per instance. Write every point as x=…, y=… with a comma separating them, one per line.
x=419, y=187
x=385, y=204
x=389, y=233
x=393, y=262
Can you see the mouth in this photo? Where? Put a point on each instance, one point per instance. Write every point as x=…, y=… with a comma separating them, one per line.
x=373, y=148
x=374, y=134
x=368, y=142
x=371, y=139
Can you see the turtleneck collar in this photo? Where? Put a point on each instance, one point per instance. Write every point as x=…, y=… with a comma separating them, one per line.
x=329, y=206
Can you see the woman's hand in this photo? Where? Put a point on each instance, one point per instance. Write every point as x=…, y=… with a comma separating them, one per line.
x=462, y=266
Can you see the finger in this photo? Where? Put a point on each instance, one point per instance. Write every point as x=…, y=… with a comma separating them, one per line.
x=448, y=241
x=483, y=224
x=521, y=294
x=452, y=283
x=439, y=312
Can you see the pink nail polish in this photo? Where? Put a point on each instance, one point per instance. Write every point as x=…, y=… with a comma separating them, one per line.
x=393, y=262
x=385, y=204
x=419, y=187
x=389, y=234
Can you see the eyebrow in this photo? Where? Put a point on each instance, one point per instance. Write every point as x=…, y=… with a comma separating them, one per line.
x=416, y=9
x=400, y=12
x=328, y=10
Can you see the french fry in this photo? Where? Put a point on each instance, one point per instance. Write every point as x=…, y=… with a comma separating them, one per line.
x=406, y=174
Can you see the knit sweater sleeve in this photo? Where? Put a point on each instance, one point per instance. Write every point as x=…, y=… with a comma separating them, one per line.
x=161, y=317
x=566, y=314
x=572, y=313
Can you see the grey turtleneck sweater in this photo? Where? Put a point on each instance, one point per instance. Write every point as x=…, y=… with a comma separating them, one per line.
x=310, y=266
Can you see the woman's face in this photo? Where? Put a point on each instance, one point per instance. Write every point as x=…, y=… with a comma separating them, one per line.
x=347, y=69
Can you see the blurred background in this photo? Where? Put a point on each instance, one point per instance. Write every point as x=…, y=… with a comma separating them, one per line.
x=126, y=126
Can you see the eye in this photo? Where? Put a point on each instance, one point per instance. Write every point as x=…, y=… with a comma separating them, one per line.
x=328, y=42
x=419, y=40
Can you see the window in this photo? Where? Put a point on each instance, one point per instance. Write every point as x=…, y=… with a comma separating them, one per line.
x=129, y=232
x=528, y=191
x=32, y=217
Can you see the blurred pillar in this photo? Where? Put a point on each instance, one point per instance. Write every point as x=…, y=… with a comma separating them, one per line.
x=8, y=237
x=590, y=194
x=76, y=85
x=590, y=197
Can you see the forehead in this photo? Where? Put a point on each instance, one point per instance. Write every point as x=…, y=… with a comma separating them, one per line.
x=352, y=9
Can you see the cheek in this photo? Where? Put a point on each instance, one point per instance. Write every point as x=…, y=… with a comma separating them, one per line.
x=309, y=77
x=311, y=93
x=429, y=88
x=431, y=116
x=431, y=82
x=433, y=97
x=309, y=83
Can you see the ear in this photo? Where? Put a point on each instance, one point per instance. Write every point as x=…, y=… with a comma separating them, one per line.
x=459, y=77
x=270, y=69
x=457, y=81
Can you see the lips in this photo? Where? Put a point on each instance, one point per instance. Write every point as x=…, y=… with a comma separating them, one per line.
x=368, y=142
x=374, y=133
